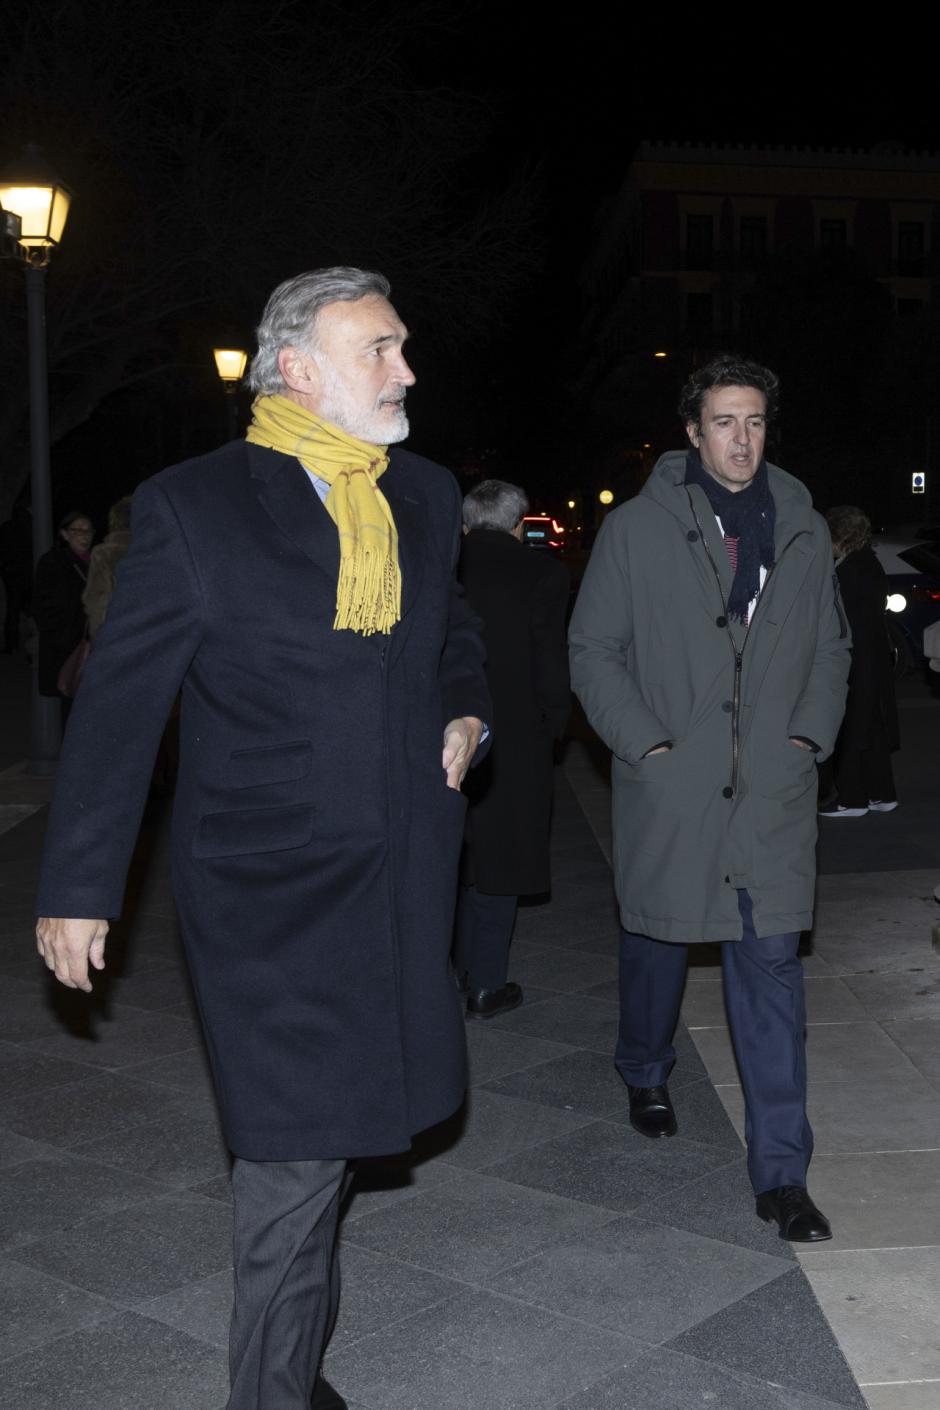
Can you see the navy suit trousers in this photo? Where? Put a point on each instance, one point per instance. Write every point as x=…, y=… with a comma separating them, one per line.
x=763, y=986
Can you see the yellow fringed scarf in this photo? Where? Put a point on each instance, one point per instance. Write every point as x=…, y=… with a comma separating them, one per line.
x=368, y=593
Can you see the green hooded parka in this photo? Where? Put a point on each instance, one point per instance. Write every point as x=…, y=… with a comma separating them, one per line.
x=654, y=658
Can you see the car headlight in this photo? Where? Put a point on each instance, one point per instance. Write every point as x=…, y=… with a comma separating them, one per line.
x=896, y=602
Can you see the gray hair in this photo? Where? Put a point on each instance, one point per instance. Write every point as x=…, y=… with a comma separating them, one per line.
x=291, y=313
x=495, y=504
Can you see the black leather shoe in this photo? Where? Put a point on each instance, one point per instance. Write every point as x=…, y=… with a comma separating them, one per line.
x=790, y=1207
x=487, y=1003
x=325, y=1397
x=651, y=1111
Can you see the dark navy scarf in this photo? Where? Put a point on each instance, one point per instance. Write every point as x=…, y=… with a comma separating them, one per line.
x=748, y=515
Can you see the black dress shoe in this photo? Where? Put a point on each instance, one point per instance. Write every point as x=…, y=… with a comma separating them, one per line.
x=325, y=1397
x=651, y=1111
x=487, y=1003
x=794, y=1213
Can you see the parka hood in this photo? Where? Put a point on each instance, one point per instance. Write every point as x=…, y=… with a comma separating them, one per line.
x=669, y=474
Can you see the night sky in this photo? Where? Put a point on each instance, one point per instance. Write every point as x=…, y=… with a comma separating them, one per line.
x=567, y=94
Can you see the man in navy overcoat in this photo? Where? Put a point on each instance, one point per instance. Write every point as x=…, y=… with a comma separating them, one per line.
x=318, y=818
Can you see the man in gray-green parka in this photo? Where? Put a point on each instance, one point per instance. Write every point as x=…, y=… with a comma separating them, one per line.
x=710, y=652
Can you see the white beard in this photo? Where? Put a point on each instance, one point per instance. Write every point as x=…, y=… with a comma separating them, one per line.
x=380, y=425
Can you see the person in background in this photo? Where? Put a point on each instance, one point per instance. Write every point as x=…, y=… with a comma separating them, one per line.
x=521, y=597
x=105, y=558
x=859, y=777
x=61, y=577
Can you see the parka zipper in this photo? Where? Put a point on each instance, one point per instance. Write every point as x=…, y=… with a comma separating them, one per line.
x=738, y=655
x=736, y=712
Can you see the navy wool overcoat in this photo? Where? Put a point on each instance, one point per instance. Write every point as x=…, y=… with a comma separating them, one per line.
x=315, y=842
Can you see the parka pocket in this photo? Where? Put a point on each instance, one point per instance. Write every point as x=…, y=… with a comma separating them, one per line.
x=652, y=764
x=784, y=771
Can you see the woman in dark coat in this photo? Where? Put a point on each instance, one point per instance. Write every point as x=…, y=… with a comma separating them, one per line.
x=860, y=778
x=521, y=595
x=61, y=576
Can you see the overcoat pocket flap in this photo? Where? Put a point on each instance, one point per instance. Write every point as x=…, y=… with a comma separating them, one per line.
x=275, y=763
x=246, y=830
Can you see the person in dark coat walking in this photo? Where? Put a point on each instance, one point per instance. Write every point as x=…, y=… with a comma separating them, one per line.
x=709, y=652
x=61, y=577
x=859, y=777
x=299, y=588
x=521, y=597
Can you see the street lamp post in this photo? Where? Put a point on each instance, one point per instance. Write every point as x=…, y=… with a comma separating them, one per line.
x=31, y=192
x=230, y=365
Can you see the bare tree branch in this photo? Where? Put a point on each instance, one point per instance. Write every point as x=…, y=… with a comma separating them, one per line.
x=213, y=155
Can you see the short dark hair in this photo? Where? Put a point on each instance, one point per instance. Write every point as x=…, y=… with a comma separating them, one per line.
x=728, y=370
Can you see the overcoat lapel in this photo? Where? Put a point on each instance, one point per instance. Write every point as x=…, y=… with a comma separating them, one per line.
x=285, y=492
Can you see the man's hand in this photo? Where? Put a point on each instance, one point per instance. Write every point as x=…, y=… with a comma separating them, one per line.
x=68, y=945
x=461, y=738
x=801, y=743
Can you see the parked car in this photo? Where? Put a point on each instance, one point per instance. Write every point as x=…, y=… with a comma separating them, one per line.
x=542, y=531
x=913, y=571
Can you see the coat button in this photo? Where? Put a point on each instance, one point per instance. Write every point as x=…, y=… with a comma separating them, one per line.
x=721, y=621
x=727, y=706
x=727, y=792
x=692, y=536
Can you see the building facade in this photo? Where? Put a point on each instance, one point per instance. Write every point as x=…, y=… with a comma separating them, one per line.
x=696, y=237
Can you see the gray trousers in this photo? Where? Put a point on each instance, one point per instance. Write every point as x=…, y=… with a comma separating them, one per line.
x=286, y=1279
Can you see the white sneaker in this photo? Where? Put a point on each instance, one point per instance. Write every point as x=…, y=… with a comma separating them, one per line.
x=877, y=806
x=836, y=810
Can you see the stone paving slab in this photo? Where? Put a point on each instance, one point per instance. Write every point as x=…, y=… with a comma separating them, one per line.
x=748, y=1336
x=653, y=1280
x=662, y=1379
x=883, y=1305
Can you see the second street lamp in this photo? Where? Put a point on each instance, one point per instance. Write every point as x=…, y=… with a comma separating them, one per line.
x=230, y=365
x=32, y=193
